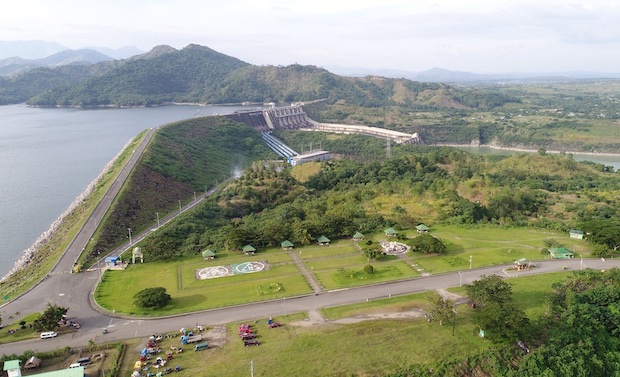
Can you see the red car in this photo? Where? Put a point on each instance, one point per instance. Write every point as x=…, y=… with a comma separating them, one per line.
x=247, y=336
x=274, y=324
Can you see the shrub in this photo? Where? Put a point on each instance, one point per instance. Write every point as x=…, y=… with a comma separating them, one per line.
x=369, y=269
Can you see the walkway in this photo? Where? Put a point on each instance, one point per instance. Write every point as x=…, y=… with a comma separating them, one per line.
x=310, y=278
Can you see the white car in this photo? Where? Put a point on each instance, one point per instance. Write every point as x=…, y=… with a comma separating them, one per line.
x=48, y=334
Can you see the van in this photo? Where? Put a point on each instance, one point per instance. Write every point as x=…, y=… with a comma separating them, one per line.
x=74, y=365
x=48, y=334
x=201, y=346
x=84, y=361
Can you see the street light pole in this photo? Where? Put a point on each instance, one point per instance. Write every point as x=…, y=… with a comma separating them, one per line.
x=470, y=262
x=157, y=213
x=460, y=279
x=453, y=321
x=180, y=206
x=129, y=230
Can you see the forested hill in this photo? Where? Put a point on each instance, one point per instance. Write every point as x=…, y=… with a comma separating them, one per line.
x=198, y=74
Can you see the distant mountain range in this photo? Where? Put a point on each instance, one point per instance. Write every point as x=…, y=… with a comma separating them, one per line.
x=12, y=66
x=455, y=77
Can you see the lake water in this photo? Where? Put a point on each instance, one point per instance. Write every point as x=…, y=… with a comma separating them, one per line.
x=49, y=156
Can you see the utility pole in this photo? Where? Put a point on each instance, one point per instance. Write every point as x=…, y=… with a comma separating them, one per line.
x=157, y=213
x=129, y=230
x=252, y=368
x=180, y=206
x=470, y=262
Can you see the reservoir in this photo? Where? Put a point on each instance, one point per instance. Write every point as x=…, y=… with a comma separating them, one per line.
x=49, y=156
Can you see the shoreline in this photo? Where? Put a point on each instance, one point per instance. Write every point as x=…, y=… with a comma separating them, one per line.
x=515, y=149
x=29, y=254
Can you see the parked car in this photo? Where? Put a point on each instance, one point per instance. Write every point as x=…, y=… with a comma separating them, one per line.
x=247, y=336
x=84, y=361
x=251, y=342
x=274, y=324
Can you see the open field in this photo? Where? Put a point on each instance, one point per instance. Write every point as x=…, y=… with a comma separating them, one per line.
x=335, y=266
x=310, y=349
x=489, y=246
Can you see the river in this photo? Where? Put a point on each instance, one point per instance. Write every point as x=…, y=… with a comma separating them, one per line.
x=49, y=156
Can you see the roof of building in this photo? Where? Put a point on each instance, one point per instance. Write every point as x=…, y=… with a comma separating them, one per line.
x=390, y=231
x=521, y=261
x=112, y=259
x=358, y=235
x=287, y=243
x=208, y=253
x=11, y=364
x=248, y=248
x=33, y=362
x=421, y=227
x=67, y=372
x=576, y=231
x=309, y=155
x=560, y=251
x=322, y=239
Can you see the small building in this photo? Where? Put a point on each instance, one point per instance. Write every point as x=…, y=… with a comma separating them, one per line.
x=208, y=254
x=111, y=261
x=422, y=228
x=560, y=253
x=358, y=236
x=322, y=240
x=522, y=264
x=312, y=156
x=390, y=232
x=248, y=249
x=32, y=363
x=287, y=245
x=576, y=234
x=11, y=367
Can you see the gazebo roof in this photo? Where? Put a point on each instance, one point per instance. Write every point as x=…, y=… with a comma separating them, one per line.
x=421, y=227
x=560, y=251
x=287, y=243
x=248, y=248
x=521, y=261
x=390, y=231
x=322, y=239
x=208, y=253
x=358, y=235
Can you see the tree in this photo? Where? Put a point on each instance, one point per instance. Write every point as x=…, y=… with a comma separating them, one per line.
x=152, y=298
x=373, y=252
x=49, y=319
x=502, y=322
x=439, y=309
x=489, y=289
x=428, y=244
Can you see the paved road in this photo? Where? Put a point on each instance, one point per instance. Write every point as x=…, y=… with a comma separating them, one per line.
x=129, y=328
x=72, y=290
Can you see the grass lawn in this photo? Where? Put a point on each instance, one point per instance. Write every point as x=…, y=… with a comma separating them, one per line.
x=352, y=276
x=188, y=294
x=488, y=246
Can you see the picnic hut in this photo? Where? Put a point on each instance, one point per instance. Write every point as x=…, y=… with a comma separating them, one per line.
x=248, y=249
x=322, y=240
x=208, y=254
x=522, y=264
x=32, y=363
x=422, y=228
x=390, y=232
x=576, y=234
x=287, y=245
x=560, y=253
x=358, y=236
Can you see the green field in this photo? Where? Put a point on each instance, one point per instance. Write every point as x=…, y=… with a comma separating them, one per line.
x=367, y=348
x=334, y=266
x=489, y=246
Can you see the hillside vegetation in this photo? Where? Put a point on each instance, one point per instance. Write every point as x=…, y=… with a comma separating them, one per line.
x=182, y=159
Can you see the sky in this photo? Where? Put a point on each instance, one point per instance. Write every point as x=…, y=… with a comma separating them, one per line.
x=480, y=36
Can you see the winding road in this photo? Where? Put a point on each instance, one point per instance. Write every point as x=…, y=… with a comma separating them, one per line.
x=74, y=291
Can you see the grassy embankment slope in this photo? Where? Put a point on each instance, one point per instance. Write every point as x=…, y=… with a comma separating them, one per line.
x=183, y=159
x=51, y=250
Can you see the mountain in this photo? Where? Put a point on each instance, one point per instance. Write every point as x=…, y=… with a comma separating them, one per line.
x=29, y=49
x=16, y=65
x=198, y=74
x=117, y=53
